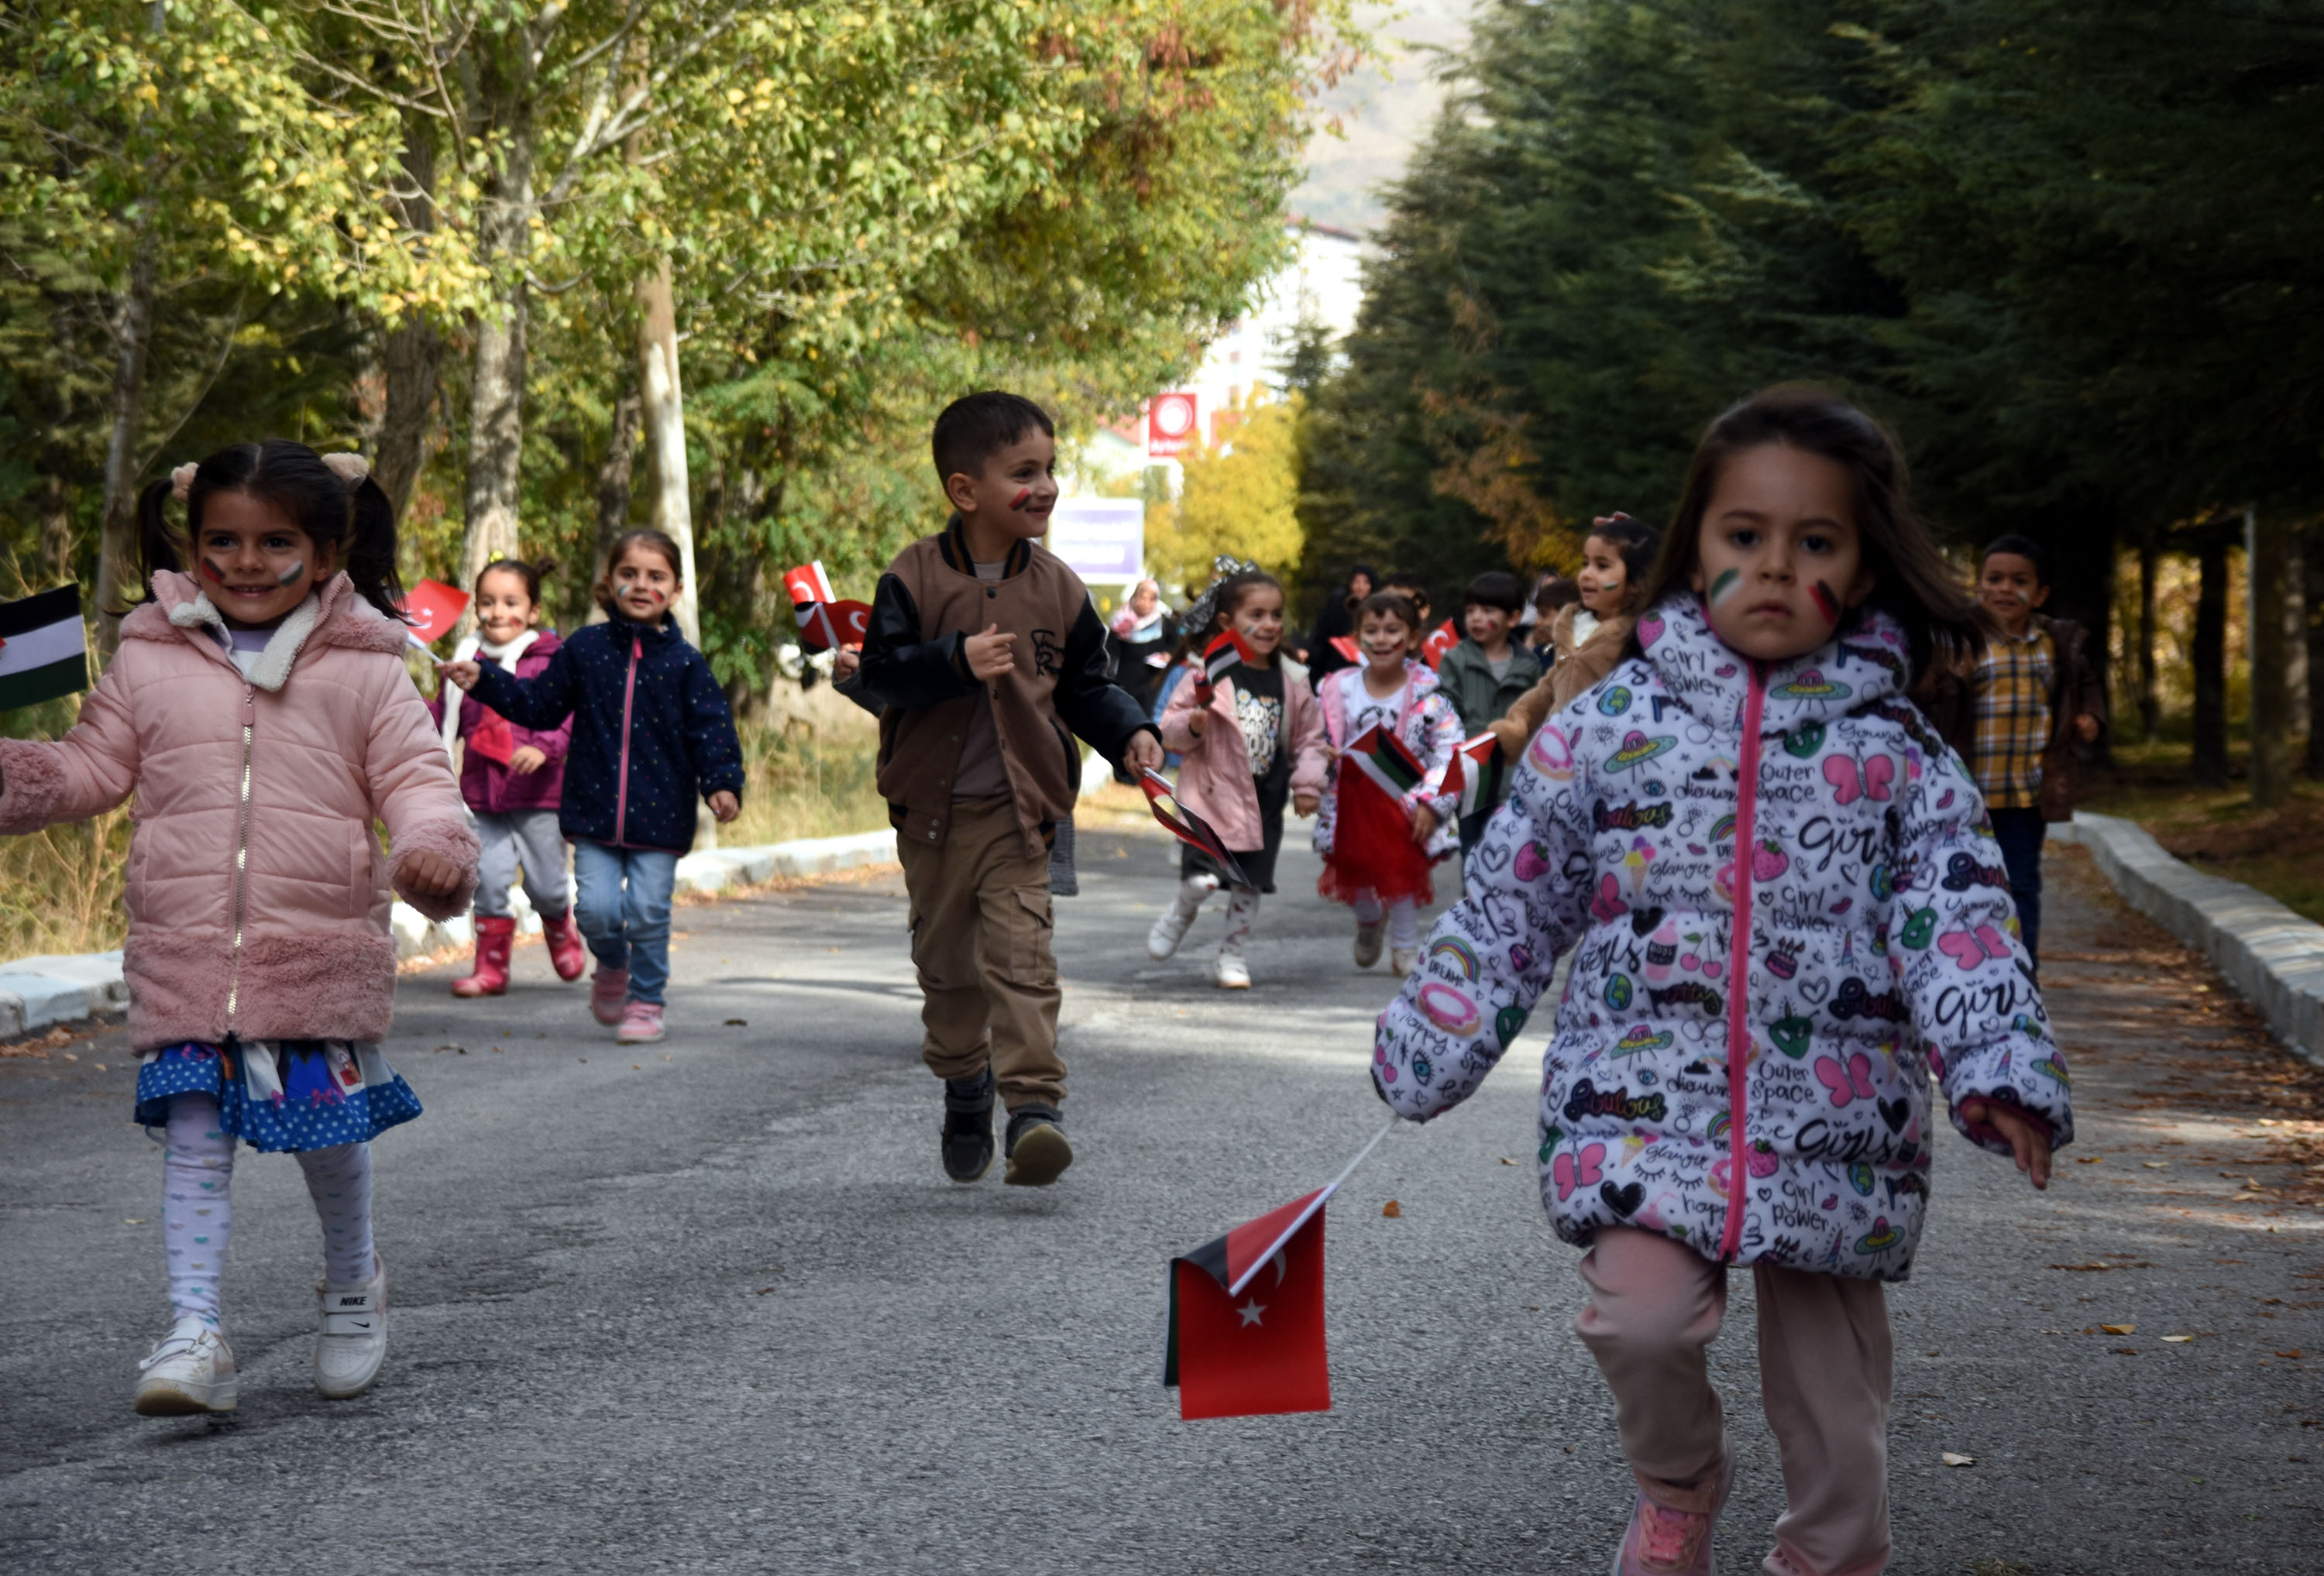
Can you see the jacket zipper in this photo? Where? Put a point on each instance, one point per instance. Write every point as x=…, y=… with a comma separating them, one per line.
x=1738, y=964
x=622, y=787
x=241, y=858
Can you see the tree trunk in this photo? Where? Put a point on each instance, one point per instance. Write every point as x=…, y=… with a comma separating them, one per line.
x=496, y=390
x=412, y=355
x=664, y=414
x=2268, y=552
x=2210, y=756
x=2312, y=561
x=2150, y=701
x=56, y=529
x=116, y=541
x=614, y=478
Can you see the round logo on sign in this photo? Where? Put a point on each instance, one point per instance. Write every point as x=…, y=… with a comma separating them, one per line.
x=1173, y=415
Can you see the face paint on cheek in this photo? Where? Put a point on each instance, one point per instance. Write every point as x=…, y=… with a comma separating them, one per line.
x=290, y=577
x=210, y=568
x=1729, y=583
x=1825, y=603
x=1024, y=496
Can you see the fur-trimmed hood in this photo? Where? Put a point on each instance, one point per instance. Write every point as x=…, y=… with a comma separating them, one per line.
x=335, y=614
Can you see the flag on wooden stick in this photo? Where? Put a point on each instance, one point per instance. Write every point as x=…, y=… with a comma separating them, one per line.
x=43, y=649
x=1188, y=827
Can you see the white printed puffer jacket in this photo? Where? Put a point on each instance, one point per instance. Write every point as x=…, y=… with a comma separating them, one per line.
x=1878, y=941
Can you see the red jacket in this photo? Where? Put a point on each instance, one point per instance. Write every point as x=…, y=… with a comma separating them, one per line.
x=487, y=785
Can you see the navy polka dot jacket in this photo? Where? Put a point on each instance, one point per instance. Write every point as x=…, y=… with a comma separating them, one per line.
x=651, y=731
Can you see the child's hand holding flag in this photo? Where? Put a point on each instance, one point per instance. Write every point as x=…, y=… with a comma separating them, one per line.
x=1218, y=658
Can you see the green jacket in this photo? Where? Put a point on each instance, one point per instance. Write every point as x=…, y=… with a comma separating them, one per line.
x=1468, y=681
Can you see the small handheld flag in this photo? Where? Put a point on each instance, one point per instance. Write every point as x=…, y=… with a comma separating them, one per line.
x=826, y=623
x=1372, y=851
x=43, y=649
x=1345, y=645
x=1188, y=827
x=1441, y=640
x=433, y=608
x=808, y=582
x=1218, y=658
x=1387, y=759
x=1474, y=778
x=1246, y=1326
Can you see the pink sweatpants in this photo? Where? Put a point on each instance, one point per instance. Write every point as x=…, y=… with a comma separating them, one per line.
x=1825, y=1373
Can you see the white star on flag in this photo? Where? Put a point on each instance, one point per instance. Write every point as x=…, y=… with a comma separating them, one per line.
x=1250, y=1311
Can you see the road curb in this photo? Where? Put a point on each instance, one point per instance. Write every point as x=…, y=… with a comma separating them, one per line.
x=38, y=991
x=2272, y=957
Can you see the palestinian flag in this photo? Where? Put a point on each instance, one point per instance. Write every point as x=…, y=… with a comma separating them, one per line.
x=1218, y=658
x=1474, y=776
x=43, y=650
x=1246, y=1334
x=1188, y=827
x=1372, y=849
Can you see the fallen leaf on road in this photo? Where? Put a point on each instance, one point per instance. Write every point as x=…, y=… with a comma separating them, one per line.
x=1506, y=1161
x=738, y=1023
x=764, y=1290
x=2178, y=1339
x=1955, y=1458
x=2119, y=1329
x=2127, y=1351
x=2294, y=1352
x=440, y=1050
x=2156, y=1164
x=139, y=1222
x=2088, y=1159
x=1393, y=1210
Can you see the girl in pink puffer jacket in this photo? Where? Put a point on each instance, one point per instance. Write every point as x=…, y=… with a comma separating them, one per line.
x=260, y=711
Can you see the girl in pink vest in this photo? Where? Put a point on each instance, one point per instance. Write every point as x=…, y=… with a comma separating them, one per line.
x=1250, y=742
x=259, y=710
x=1378, y=835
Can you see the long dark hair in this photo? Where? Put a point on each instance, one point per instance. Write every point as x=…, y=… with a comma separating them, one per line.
x=1635, y=543
x=1911, y=582
x=354, y=520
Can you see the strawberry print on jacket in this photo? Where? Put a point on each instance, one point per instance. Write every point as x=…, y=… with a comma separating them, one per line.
x=1428, y=725
x=1782, y=868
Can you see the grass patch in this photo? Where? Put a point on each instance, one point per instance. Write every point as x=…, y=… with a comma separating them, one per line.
x=2279, y=851
x=61, y=888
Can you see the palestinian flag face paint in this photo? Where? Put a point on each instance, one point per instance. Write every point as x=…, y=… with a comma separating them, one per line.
x=1729, y=583
x=1826, y=603
x=43, y=653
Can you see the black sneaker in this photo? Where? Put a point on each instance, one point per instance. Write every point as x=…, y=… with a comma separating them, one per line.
x=968, y=1127
x=1038, y=1151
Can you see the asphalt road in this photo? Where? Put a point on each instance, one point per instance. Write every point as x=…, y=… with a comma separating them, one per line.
x=714, y=1307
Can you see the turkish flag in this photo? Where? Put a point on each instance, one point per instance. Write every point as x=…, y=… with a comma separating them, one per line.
x=1345, y=646
x=492, y=739
x=433, y=608
x=1247, y=1318
x=1441, y=640
x=818, y=622
x=808, y=582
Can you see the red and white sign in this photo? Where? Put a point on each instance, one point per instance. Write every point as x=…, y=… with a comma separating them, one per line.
x=433, y=608
x=1170, y=421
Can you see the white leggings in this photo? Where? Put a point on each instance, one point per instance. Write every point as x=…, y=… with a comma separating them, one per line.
x=1243, y=910
x=197, y=1206
x=1403, y=919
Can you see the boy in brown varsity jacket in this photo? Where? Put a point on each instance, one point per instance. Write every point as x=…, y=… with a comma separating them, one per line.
x=985, y=657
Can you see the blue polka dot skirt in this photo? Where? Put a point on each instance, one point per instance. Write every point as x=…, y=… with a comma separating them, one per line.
x=283, y=1095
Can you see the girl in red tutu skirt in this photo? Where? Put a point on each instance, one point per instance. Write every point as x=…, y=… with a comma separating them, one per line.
x=1385, y=817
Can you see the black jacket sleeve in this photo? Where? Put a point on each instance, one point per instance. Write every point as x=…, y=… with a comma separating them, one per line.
x=532, y=703
x=1099, y=711
x=710, y=730
x=901, y=669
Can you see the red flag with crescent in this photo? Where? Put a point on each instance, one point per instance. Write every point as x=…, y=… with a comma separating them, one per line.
x=1246, y=1334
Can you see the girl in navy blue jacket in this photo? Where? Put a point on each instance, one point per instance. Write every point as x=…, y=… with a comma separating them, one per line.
x=650, y=730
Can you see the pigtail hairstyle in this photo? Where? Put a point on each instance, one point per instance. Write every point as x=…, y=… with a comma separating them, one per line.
x=334, y=501
x=1911, y=582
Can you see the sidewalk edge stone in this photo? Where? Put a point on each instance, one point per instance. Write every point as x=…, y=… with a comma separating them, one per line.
x=2272, y=957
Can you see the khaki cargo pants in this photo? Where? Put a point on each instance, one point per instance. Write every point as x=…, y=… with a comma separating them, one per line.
x=981, y=929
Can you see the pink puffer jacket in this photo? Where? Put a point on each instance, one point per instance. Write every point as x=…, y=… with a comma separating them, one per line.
x=295, y=944
x=1214, y=782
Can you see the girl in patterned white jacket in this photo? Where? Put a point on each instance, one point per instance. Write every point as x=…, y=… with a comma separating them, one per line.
x=1772, y=865
x=1383, y=824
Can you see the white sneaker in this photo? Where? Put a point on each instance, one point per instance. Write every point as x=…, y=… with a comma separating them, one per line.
x=1368, y=942
x=354, y=1339
x=1401, y=960
x=1229, y=972
x=189, y=1371
x=1171, y=929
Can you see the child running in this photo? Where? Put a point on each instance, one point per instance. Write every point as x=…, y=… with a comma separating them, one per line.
x=1377, y=854
x=1587, y=637
x=260, y=711
x=1255, y=741
x=511, y=778
x=1487, y=673
x=984, y=651
x=650, y=732
x=1791, y=912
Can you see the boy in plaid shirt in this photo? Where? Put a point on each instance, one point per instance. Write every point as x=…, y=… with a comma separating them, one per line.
x=2036, y=697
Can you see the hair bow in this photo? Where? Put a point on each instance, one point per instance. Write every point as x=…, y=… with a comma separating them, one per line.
x=348, y=466
x=181, y=481
x=1222, y=567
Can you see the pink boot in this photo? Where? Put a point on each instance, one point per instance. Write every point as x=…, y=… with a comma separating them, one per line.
x=494, y=937
x=566, y=954
x=641, y=1024
x=608, y=990
x=1670, y=1533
